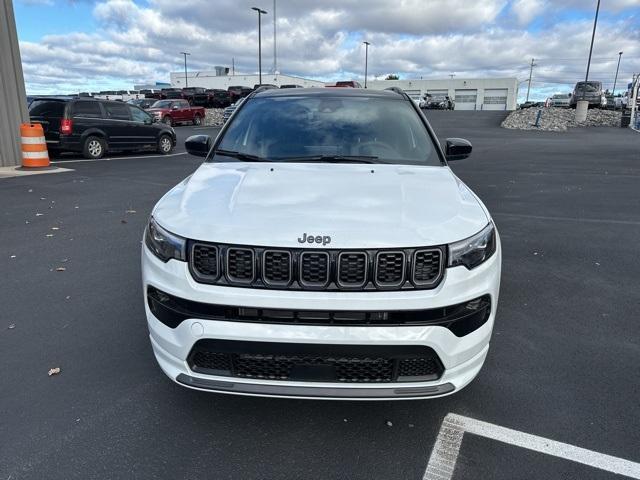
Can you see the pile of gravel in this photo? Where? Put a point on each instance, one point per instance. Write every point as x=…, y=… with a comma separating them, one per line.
x=559, y=119
x=213, y=116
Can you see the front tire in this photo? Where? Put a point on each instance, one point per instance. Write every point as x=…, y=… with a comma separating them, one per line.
x=197, y=120
x=165, y=145
x=94, y=148
x=167, y=120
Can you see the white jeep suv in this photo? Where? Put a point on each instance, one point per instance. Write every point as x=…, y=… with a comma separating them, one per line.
x=324, y=249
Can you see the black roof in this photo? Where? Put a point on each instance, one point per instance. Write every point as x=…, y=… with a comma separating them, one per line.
x=329, y=92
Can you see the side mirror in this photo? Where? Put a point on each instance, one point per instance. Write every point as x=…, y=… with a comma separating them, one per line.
x=457, y=148
x=175, y=107
x=198, y=145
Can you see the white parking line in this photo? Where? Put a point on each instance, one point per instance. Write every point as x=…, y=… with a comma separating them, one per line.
x=444, y=455
x=108, y=159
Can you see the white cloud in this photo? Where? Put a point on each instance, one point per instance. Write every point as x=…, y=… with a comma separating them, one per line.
x=431, y=38
x=527, y=10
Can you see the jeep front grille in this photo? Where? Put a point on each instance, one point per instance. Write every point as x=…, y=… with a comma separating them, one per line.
x=332, y=270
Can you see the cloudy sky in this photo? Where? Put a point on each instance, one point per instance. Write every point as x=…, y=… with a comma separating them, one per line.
x=82, y=45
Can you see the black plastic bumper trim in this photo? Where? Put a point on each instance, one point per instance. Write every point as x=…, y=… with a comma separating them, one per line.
x=314, y=392
x=461, y=319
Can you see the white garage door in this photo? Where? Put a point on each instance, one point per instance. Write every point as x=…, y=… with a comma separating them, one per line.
x=466, y=99
x=414, y=94
x=438, y=93
x=495, y=99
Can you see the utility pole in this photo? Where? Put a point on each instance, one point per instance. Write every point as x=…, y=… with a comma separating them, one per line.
x=451, y=75
x=233, y=65
x=366, y=61
x=593, y=36
x=186, y=80
x=260, y=13
x=616, y=79
x=275, y=50
x=530, y=74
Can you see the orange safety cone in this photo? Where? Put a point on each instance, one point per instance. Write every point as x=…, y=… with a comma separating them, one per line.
x=34, y=146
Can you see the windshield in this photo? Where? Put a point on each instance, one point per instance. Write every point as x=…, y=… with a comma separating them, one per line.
x=588, y=87
x=315, y=128
x=162, y=104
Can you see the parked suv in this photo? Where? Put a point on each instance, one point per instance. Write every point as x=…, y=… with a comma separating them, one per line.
x=188, y=93
x=591, y=92
x=212, y=98
x=95, y=127
x=324, y=249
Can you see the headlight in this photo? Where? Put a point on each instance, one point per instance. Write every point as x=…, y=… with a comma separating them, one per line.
x=163, y=244
x=474, y=250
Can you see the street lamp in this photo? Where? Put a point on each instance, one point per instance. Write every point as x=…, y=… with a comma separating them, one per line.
x=186, y=81
x=593, y=36
x=260, y=13
x=366, y=61
x=616, y=79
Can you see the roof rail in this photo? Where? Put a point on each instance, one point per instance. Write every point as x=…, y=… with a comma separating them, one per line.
x=399, y=91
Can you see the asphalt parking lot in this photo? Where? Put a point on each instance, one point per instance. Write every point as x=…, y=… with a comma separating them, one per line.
x=563, y=363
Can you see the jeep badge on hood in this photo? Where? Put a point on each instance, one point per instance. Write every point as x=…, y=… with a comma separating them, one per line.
x=323, y=239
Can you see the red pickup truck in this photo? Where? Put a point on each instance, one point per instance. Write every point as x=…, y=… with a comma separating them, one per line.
x=172, y=112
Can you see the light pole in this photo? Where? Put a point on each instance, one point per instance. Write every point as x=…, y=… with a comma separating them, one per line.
x=186, y=81
x=530, y=74
x=616, y=79
x=366, y=61
x=593, y=36
x=260, y=13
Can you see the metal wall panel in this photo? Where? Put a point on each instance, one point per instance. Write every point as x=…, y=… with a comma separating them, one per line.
x=12, y=93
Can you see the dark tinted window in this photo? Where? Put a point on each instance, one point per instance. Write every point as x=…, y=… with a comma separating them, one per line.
x=588, y=86
x=117, y=111
x=138, y=115
x=47, y=108
x=284, y=128
x=87, y=109
x=163, y=104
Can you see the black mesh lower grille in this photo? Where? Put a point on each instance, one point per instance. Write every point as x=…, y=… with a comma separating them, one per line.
x=323, y=363
x=418, y=367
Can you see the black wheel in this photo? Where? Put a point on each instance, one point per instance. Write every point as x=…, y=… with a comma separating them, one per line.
x=197, y=120
x=165, y=145
x=168, y=120
x=94, y=147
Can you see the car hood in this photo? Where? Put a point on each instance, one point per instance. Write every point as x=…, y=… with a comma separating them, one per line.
x=358, y=206
x=157, y=110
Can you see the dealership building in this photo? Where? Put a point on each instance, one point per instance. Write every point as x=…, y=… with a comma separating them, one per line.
x=219, y=79
x=468, y=93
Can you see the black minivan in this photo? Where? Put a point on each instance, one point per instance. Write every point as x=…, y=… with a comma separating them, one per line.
x=95, y=127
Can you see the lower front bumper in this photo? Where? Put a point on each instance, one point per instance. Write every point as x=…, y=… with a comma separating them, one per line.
x=290, y=391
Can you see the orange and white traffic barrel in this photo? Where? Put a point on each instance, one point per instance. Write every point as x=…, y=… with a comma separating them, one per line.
x=34, y=146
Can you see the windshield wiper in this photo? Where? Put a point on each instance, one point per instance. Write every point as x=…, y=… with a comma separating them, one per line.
x=246, y=157
x=330, y=159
